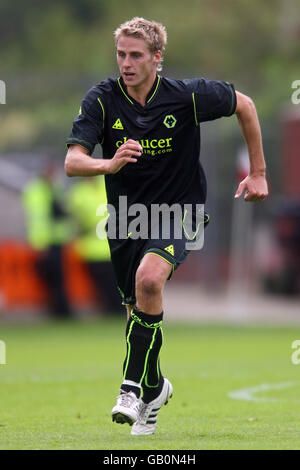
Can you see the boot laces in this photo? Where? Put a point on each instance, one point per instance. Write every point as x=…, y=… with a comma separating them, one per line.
x=127, y=399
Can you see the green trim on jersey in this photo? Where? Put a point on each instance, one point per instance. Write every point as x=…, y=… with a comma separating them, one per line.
x=151, y=97
x=103, y=112
x=195, y=113
x=125, y=94
x=158, y=82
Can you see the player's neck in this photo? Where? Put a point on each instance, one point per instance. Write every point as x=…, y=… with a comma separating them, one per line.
x=140, y=92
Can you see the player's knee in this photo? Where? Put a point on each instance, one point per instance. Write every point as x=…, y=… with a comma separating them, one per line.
x=149, y=281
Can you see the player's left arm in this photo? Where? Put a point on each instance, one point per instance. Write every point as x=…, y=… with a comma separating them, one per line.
x=255, y=184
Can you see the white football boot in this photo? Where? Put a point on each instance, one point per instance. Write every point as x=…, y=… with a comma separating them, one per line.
x=126, y=409
x=146, y=422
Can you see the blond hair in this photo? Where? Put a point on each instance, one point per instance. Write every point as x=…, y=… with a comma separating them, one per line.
x=154, y=34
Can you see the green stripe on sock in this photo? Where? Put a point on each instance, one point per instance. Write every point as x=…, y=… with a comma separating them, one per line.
x=146, y=376
x=148, y=352
x=128, y=351
x=143, y=323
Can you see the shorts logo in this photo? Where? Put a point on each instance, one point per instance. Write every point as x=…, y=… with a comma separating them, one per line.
x=170, y=121
x=170, y=249
x=118, y=125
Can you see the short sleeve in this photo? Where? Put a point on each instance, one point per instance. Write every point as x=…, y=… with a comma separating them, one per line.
x=212, y=99
x=88, y=125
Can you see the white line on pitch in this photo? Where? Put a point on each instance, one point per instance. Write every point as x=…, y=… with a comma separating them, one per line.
x=248, y=393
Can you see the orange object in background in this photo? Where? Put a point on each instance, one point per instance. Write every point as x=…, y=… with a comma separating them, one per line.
x=79, y=285
x=19, y=284
x=21, y=287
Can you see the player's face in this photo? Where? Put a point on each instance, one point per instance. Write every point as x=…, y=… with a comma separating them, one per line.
x=136, y=63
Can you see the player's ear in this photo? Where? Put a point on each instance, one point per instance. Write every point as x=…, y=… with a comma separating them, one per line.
x=157, y=57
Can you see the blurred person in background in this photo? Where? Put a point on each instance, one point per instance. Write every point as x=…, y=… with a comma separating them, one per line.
x=84, y=197
x=49, y=228
x=286, y=280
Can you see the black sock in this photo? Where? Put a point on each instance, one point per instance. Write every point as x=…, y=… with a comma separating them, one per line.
x=153, y=380
x=131, y=388
x=141, y=332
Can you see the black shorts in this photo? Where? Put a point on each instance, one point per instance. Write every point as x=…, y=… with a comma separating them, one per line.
x=126, y=255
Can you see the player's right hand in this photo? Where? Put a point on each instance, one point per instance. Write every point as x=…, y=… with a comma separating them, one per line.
x=125, y=154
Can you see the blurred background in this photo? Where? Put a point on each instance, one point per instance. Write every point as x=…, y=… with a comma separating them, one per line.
x=51, y=262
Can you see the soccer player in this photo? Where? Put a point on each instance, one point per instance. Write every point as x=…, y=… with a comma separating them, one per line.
x=148, y=127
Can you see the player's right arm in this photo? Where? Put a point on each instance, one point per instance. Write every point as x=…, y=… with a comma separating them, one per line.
x=87, y=132
x=78, y=162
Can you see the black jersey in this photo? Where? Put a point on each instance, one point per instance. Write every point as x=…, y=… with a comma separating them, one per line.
x=167, y=127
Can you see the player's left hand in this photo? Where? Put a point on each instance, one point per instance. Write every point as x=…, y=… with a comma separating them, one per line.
x=255, y=187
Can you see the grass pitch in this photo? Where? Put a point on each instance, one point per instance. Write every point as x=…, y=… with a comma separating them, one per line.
x=234, y=388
